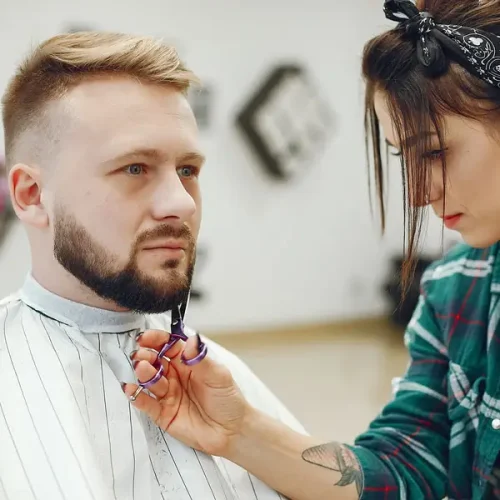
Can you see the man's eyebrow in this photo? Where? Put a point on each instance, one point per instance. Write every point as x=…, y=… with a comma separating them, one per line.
x=155, y=155
x=192, y=157
x=150, y=153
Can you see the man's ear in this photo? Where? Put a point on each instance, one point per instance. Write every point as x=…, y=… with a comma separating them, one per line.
x=25, y=191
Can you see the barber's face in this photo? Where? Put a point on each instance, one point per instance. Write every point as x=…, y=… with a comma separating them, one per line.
x=468, y=199
x=126, y=202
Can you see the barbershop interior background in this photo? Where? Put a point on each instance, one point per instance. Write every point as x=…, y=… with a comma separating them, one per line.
x=293, y=274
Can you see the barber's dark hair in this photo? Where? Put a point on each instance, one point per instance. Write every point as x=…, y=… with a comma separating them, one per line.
x=420, y=91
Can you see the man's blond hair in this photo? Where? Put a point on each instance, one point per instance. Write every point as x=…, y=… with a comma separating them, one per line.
x=61, y=62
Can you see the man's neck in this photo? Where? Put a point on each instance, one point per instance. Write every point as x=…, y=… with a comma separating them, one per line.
x=76, y=313
x=57, y=280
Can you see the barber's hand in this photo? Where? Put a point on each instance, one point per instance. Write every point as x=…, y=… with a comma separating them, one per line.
x=200, y=405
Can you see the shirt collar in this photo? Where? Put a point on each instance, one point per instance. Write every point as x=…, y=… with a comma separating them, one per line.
x=86, y=318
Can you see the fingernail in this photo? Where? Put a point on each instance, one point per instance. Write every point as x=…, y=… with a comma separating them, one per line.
x=133, y=353
x=139, y=336
x=199, y=343
x=202, y=353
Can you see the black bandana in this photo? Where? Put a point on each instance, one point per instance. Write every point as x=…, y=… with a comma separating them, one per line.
x=476, y=50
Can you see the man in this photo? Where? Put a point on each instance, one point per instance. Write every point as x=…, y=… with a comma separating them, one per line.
x=104, y=166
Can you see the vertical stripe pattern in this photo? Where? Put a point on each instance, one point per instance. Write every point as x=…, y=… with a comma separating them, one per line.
x=68, y=432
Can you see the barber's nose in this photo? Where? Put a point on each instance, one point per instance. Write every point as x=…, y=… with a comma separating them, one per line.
x=436, y=186
x=435, y=195
x=172, y=200
x=431, y=194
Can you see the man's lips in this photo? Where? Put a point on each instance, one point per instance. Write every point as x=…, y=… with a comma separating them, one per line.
x=167, y=245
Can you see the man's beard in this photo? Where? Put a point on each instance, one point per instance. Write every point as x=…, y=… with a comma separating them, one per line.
x=130, y=288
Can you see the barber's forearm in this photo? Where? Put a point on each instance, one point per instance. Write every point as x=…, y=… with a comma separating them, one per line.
x=297, y=466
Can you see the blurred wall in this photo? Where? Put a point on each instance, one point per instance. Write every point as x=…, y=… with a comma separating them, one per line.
x=305, y=251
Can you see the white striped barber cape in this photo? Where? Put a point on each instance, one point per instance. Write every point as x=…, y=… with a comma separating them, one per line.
x=68, y=432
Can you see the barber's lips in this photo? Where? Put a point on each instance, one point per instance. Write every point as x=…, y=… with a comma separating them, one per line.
x=451, y=221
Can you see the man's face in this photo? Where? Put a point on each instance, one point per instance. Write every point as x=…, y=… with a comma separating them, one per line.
x=124, y=197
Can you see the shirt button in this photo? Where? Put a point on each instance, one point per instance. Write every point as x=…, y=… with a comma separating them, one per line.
x=496, y=424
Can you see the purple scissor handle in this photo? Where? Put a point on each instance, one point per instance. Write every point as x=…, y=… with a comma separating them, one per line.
x=148, y=383
x=153, y=380
x=202, y=352
x=177, y=333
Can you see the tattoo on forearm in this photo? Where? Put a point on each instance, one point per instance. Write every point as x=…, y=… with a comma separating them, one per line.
x=338, y=458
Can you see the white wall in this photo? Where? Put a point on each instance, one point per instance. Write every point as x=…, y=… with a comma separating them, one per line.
x=299, y=252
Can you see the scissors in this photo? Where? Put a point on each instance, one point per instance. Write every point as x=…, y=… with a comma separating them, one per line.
x=177, y=333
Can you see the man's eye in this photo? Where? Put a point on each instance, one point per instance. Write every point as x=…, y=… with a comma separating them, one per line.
x=135, y=169
x=188, y=171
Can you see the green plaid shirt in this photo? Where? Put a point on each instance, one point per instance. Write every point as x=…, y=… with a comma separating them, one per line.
x=440, y=434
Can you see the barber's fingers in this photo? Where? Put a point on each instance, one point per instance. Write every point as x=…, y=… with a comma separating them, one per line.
x=151, y=356
x=207, y=370
x=156, y=339
x=180, y=367
x=166, y=391
x=161, y=411
x=193, y=347
x=146, y=372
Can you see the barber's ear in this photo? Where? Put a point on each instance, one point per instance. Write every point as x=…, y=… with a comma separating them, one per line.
x=25, y=192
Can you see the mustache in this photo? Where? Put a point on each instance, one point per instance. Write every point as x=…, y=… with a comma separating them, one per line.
x=166, y=231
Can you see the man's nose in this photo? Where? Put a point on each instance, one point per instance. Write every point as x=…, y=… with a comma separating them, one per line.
x=172, y=200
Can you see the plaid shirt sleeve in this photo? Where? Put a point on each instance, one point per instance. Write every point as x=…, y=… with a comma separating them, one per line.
x=404, y=453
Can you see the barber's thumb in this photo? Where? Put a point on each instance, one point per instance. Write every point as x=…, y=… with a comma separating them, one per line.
x=213, y=373
x=193, y=347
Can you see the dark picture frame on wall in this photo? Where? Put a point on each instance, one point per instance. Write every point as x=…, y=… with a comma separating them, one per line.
x=286, y=121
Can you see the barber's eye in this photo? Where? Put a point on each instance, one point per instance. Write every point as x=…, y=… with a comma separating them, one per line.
x=135, y=169
x=434, y=155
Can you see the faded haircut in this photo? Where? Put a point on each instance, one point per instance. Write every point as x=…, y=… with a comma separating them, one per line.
x=62, y=62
